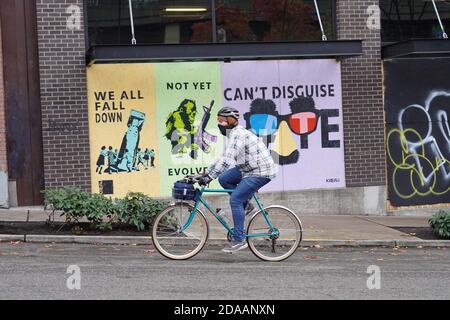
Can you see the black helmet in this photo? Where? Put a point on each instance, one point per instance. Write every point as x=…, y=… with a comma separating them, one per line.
x=228, y=112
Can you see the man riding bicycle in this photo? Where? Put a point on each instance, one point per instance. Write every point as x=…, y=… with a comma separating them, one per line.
x=253, y=168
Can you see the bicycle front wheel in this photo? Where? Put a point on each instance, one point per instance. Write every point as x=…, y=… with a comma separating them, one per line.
x=284, y=243
x=171, y=240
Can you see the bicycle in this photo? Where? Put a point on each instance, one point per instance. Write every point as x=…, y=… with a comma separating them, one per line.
x=181, y=230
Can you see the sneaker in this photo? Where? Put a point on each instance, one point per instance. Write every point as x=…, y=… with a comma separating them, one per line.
x=249, y=208
x=235, y=246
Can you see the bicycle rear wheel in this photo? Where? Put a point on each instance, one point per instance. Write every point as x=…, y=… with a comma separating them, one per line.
x=170, y=240
x=278, y=247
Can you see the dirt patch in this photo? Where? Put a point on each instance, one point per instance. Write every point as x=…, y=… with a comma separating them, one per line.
x=424, y=233
x=58, y=228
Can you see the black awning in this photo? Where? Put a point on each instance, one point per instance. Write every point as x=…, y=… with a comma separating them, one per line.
x=417, y=48
x=224, y=51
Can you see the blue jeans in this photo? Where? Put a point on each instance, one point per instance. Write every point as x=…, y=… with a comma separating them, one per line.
x=244, y=189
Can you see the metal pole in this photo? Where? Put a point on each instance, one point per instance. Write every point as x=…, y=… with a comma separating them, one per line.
x=444, y=35
x=324, y=37
x=213, y=21
x=133, y=40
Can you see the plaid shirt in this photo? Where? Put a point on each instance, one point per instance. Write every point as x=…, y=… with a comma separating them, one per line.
x=248, y=152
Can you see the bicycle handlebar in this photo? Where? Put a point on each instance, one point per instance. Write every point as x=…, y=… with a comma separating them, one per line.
x=192, y=179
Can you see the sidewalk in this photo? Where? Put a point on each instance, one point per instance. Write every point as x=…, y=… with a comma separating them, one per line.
x=329, y=230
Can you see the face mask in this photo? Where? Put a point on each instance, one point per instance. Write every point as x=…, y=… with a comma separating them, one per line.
x=225, y=128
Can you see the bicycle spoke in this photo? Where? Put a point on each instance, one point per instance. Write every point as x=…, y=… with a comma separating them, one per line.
x=282, y=240
x=169, y=234
x=176, y=244
x=192, y=235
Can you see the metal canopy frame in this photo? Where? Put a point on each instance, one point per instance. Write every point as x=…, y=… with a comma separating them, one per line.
x=224, y=51
x=417, y=48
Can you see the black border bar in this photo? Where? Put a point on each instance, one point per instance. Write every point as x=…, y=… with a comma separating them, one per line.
x=417, y=48
x=224, y=51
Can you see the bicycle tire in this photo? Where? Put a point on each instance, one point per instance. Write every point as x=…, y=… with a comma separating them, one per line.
x=257, y=224
x=163, y=249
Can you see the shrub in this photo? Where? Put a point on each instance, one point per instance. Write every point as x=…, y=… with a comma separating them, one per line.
x=70, y=200
x=440, y=222
x=135, y=209
x=97, y=207
x=138, y=210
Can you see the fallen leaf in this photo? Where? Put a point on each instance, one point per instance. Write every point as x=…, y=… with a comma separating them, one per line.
x=133, y=244
x=317, y=246
x=419, y=247
x=15, y=242
x=380, y=259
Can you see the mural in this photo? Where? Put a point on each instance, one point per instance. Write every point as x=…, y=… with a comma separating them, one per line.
x=418, y=134
x=296, y=108
x=184, y=134
x=122, y=132
x=151, y=124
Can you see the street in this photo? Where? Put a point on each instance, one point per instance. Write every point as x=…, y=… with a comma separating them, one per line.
x=39, y=271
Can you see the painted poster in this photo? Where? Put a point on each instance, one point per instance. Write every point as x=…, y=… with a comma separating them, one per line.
x=417, y=106
x=188, y=98
x=296, y=107
x=152, y=124
x=122, y=129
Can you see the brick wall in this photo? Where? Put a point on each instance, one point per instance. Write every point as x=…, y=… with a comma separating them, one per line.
x=3, y=158
x=63, y=93
x=64, y=97
x=362, y=97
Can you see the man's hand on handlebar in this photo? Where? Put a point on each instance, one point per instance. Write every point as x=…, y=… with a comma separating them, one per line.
x=202, y=179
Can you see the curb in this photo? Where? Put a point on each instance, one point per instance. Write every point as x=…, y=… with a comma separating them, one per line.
x=423, y=243
x=212, y=242
x=141, y=240
x=11, y=237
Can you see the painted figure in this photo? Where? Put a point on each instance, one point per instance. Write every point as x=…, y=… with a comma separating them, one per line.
x=146, y=156
x=280, y=131
x=152, y=157
x=180, y=129
x=140, y=159
x=129, y=160
x=101, y=160
x=112, y=159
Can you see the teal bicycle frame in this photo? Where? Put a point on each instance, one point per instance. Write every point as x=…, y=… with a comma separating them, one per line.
x=199, y=199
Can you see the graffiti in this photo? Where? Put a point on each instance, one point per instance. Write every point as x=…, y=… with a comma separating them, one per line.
x=64, y=127
x=419, y=149
x=182, y=132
